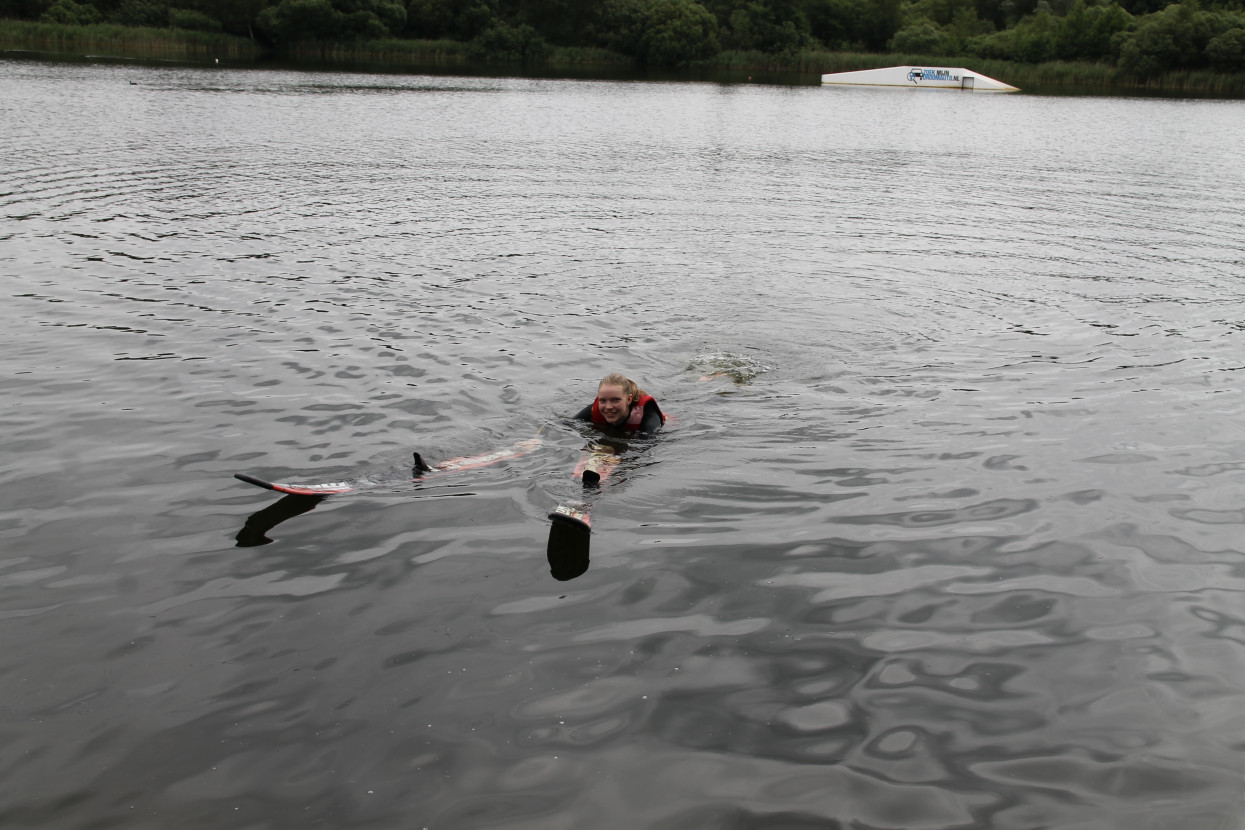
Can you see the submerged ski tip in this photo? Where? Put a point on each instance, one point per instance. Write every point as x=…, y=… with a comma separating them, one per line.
x=571, y=516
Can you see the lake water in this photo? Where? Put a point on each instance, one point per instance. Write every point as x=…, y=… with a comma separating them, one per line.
x=946, y=531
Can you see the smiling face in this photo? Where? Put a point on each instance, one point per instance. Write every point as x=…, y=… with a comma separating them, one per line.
x=614, y=402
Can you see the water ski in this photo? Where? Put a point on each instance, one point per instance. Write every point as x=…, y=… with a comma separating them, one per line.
x=326, y=489
x=421, y=471
x=570, y=529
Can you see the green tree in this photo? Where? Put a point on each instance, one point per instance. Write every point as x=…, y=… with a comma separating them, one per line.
x=662, y=32
x=299, y=20
x=153, y=13
x=763, y=25
x=69, y=13
x=837, y=23
x=964, y=26
x=193, y=20
x=1175, y=38
x=391, y=13
x=855, y=24
x=1143, y=7
x=1226, y=51
x=943, y=12
x=236, y=16
x=459, y=19
x=884, y=19
x=1086, y=33
x=1032, y=40
x=677, y=31
x=1004, y=14
x=503, y=42
x=293, y=21
x=566, y=22
x=23, y=9
x=920, y=36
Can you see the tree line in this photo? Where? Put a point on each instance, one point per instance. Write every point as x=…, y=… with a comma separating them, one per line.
x=1144, y=37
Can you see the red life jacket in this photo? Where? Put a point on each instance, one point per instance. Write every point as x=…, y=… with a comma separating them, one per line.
x=634, y=419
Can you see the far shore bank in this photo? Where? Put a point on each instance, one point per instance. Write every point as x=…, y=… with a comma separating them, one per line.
x=107, y=41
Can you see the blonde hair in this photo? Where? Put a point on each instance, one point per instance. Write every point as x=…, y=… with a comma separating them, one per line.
x=629, y=387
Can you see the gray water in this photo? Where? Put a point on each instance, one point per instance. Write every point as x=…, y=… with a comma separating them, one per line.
x=946, y=531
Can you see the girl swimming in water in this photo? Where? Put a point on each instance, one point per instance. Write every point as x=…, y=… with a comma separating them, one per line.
x=621, y=404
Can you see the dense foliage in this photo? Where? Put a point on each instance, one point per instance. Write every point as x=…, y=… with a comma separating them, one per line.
x=1143, y=37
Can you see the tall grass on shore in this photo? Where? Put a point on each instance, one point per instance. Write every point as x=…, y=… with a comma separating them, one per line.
x=398, y=53
x=123, y=41
x=391, y=51
x=1232, y=85
x=588, y=56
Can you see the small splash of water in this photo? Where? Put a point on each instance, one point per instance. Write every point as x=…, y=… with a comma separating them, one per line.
x=738, y=369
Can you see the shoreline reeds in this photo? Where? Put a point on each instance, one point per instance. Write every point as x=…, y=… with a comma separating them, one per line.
x=111, y=40
x=394, y=52
x=389, y=51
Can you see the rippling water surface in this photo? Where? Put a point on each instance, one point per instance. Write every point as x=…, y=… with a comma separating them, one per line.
x=947, y=532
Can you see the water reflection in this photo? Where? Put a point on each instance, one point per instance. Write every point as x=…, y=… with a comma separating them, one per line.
x=255, y=531
x=568, y=549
